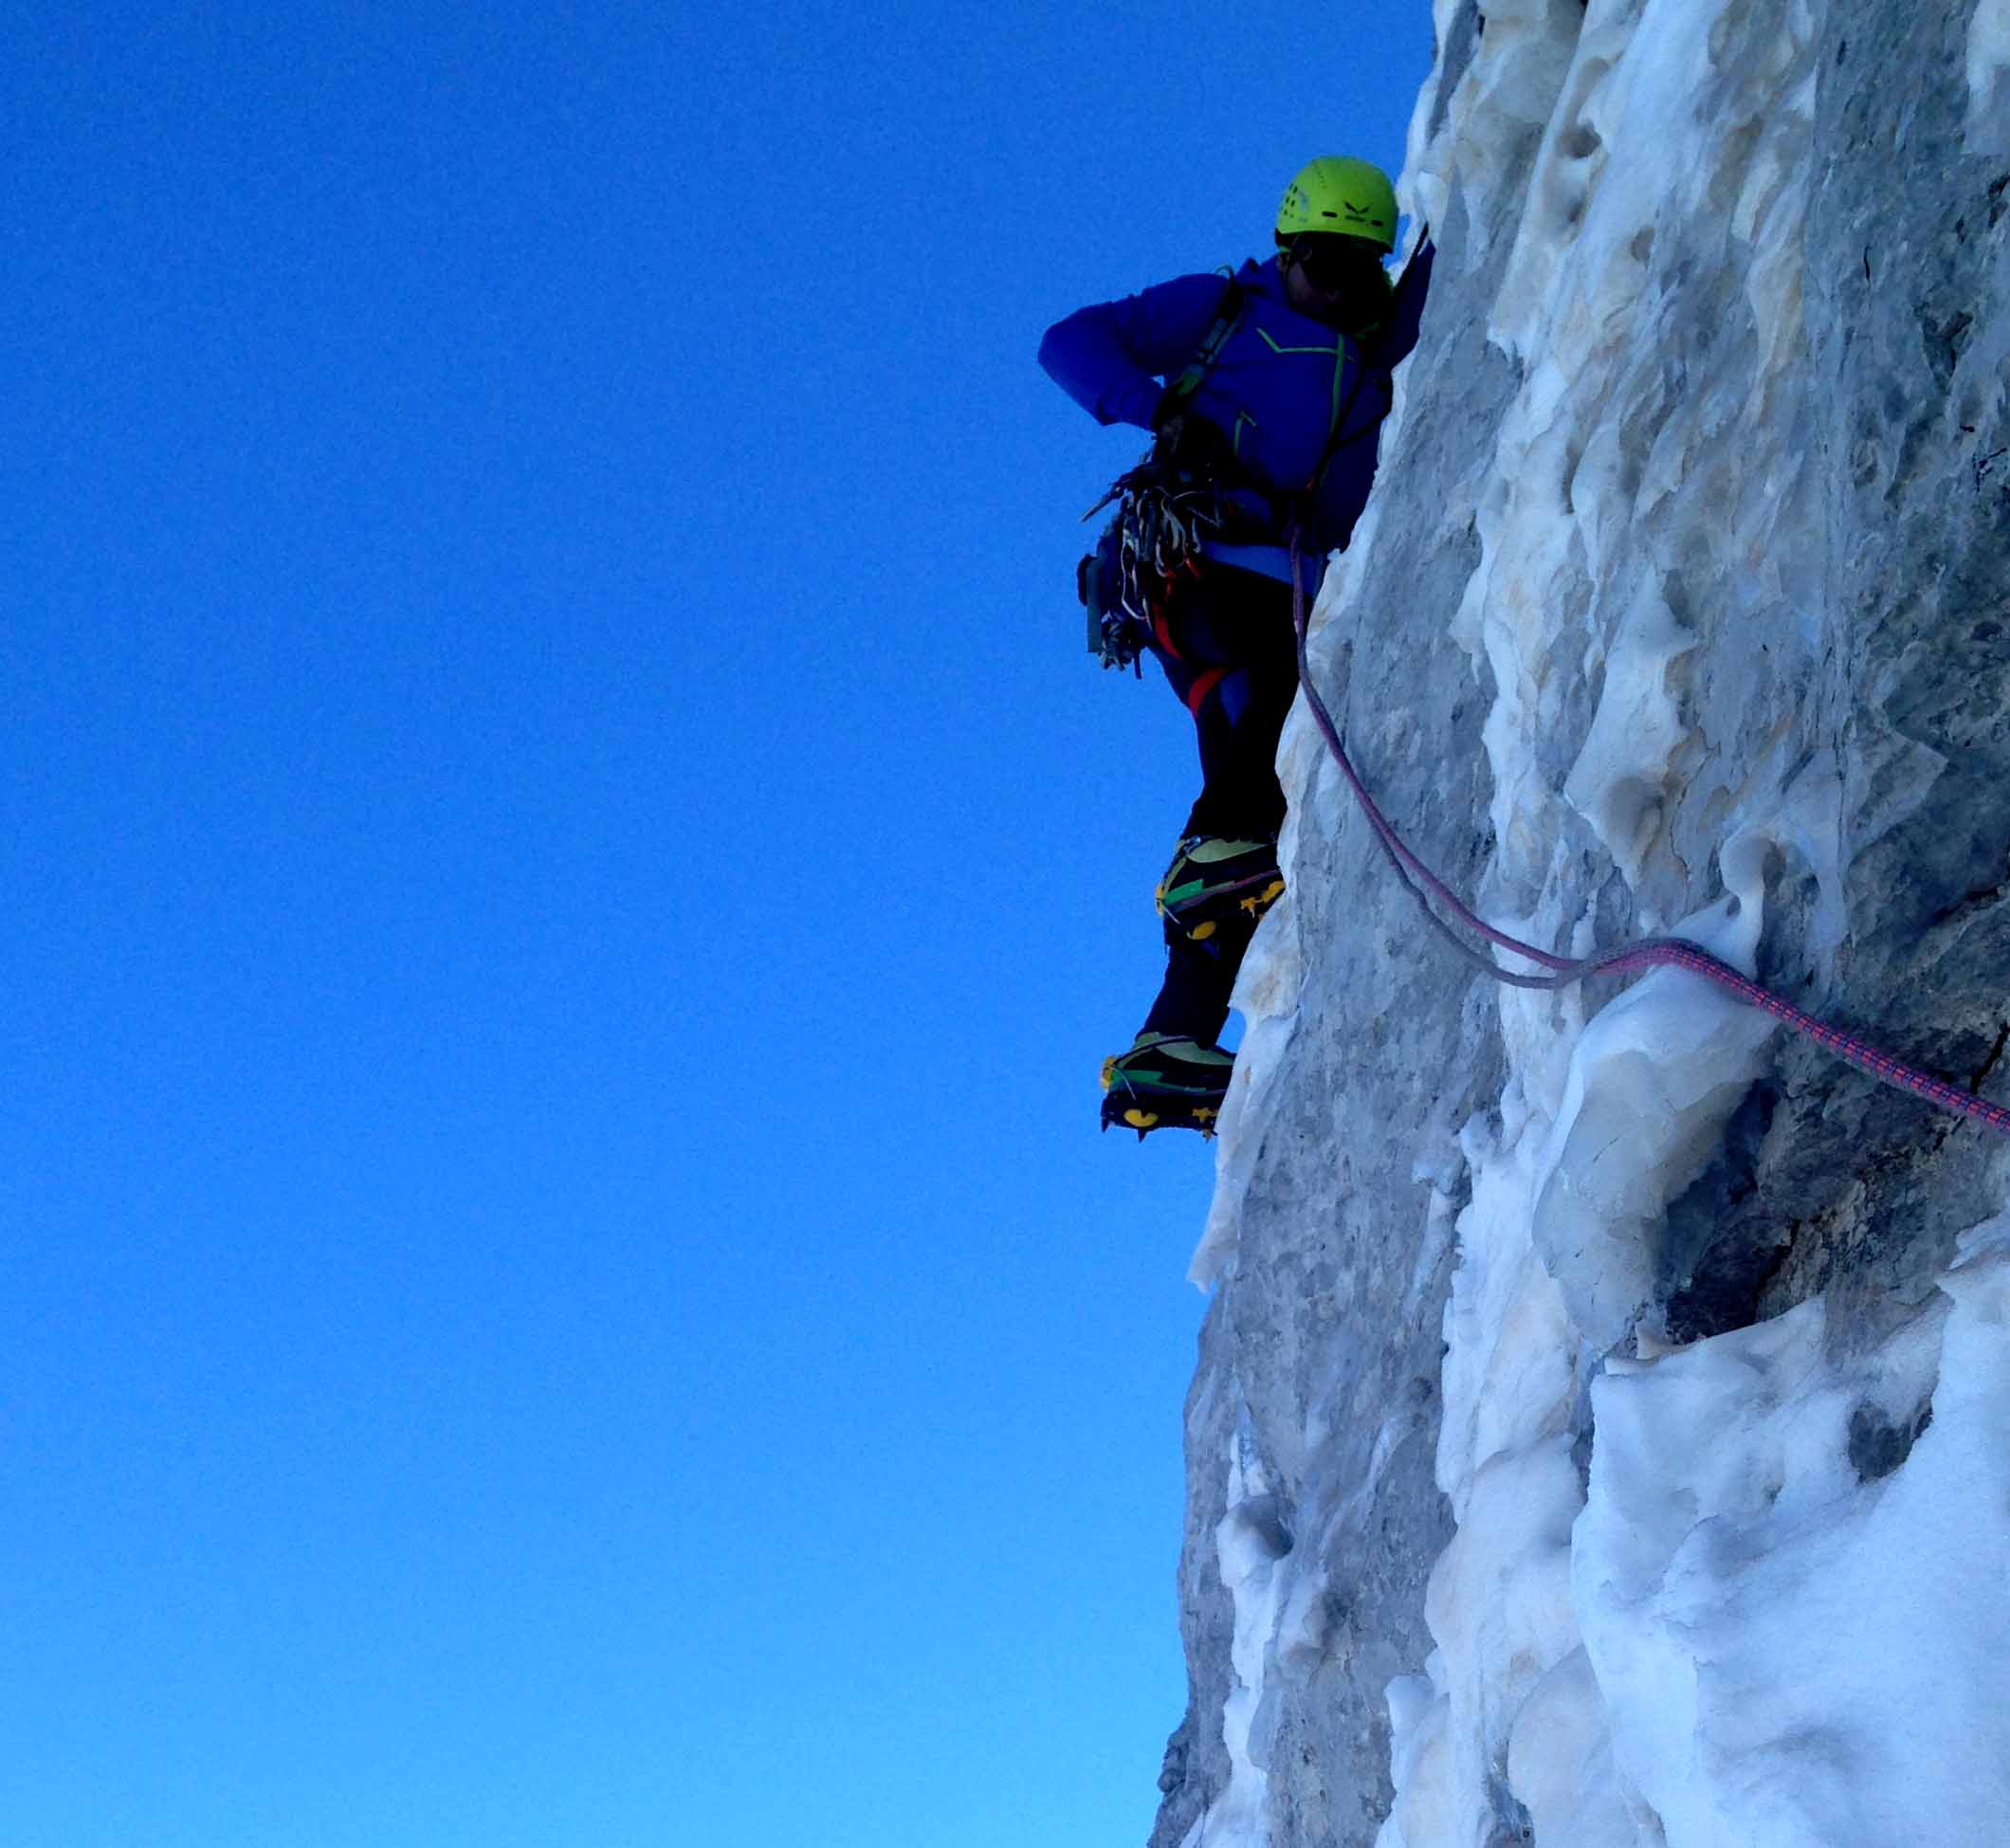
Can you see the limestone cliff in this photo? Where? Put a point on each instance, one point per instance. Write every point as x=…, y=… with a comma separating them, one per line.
x=1681, y=604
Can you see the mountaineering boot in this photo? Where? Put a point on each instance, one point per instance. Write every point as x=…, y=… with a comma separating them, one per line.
x=1212, y=881
x=1165, y=1082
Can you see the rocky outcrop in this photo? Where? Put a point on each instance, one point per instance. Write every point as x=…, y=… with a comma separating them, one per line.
x=1681, y=604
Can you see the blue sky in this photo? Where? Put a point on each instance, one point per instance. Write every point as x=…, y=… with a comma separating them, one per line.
x=568, y=881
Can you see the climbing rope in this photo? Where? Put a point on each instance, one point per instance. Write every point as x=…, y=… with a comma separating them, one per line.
x=1644, y=953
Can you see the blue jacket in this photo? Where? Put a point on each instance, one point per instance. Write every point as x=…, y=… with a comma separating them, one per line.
x=1289, y=393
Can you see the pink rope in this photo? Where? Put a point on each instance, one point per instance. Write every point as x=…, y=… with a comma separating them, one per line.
x=1644, y=953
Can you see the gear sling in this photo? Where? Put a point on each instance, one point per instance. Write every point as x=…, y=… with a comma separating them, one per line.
x=1159, y=519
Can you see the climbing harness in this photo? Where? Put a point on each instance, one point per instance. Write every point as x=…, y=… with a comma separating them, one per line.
x=1228, y=312
x=1155, y=536
x=1643, y=953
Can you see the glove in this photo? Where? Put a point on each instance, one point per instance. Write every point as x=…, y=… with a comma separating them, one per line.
x=1187, y=441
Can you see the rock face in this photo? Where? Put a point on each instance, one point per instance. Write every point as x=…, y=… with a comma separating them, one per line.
x=1681, y=606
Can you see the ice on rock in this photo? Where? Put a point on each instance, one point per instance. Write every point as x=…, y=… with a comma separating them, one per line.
x=1499, y=1604
x=1559, y=1765
x=1508, y=91
x=1426, y=1808
x=1988, y=74
x=1253, y=1550
x=1509, y=1373
x=1792, y=1652
x=1617, y=783
x=1653, y=1081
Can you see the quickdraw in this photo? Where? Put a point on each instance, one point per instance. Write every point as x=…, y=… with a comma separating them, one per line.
x=1159, y=530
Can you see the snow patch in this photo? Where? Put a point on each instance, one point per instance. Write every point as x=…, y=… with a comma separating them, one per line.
x=1506, y=96
x=1653, y=1080
x=1621, y=773
x=1777, y=1569
x=1559, y=1765
x=1498, y=1608
x=1252, y=1547
x=1988, y=72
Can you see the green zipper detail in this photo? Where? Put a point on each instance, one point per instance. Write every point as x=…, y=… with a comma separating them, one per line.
x=1275, y=348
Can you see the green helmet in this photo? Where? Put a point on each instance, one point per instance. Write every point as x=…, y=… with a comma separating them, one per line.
x=1337, y=194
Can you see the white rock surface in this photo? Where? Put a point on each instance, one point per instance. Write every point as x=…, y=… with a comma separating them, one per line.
x=1599, y=1435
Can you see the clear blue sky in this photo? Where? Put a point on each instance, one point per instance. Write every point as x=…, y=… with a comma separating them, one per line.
x=567, y=880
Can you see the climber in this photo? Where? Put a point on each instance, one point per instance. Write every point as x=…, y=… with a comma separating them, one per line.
x=1266, y=393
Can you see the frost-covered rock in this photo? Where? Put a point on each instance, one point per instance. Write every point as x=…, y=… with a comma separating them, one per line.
x=1599, y=1432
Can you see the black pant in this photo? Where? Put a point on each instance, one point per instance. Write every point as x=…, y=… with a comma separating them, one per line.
x=1226, y=642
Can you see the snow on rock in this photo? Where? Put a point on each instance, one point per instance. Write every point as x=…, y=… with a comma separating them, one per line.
x=1253, y=1546
x=1988, y=74
x=1617, y=781
x=1791, y=1570
x=1653, y=1079
x=1560, y=1766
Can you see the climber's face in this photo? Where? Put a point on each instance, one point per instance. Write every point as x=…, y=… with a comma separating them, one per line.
x=1322, y=272
x=1306, y=295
